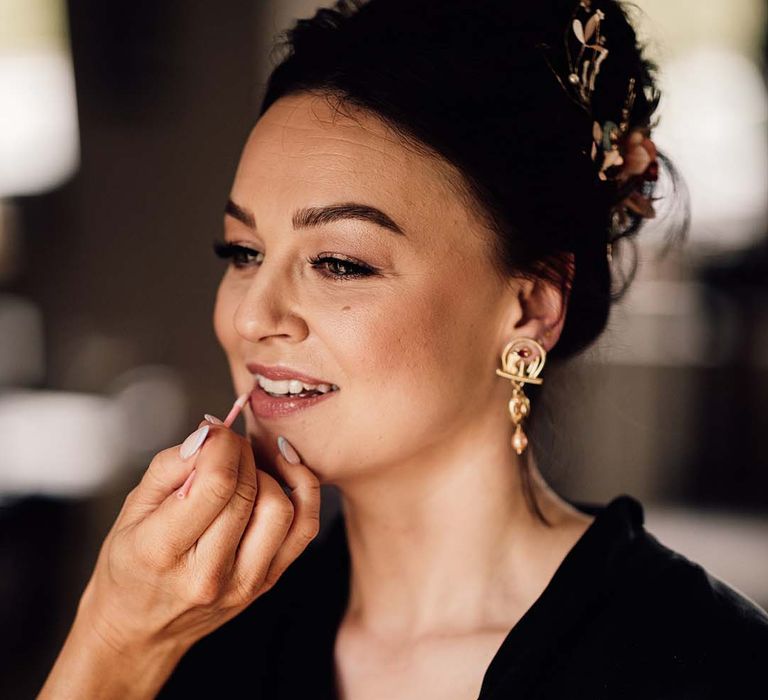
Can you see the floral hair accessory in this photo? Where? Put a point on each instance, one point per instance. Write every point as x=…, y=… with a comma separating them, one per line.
x=622, y=155
x=640, y=166
x=630, y=159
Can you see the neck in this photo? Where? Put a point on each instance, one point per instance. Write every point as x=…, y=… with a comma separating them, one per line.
x=445, y=543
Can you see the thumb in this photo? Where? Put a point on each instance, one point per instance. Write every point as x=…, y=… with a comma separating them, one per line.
x=289, y=466
x=287, y=450
x=167, y=471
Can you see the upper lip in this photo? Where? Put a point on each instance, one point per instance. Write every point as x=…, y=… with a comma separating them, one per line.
x=278, y=372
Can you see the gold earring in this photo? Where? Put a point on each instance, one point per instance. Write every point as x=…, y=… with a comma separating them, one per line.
x=513, y=359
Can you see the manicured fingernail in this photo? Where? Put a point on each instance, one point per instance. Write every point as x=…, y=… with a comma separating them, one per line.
x=213, y=419
x=193, y=443
x=286, y=449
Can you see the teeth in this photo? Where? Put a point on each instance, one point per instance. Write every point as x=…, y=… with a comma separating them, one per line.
x=291, y=386
x=295, y=386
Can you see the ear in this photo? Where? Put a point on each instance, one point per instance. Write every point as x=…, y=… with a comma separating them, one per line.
x=540, y=309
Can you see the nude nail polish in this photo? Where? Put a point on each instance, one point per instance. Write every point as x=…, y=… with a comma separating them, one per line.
x=286, y=449
x=213, y=419
x=193, y=442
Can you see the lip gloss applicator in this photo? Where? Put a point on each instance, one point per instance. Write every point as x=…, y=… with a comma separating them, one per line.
x=231, y=418
x=236, y=408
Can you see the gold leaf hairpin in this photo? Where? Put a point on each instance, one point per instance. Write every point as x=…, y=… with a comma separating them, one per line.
x=616, y=151
x=585, y=67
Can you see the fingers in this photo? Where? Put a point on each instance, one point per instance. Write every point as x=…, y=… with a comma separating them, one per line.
x=215, y=549
x=265, y=533
x=305, y=495
x=175, y=526
x=262, y=537
x=235, y=523
x=166, y=472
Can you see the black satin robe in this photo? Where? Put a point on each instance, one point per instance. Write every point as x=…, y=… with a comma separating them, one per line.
x=623, y=617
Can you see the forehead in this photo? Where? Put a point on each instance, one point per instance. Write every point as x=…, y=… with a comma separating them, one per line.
x=304, y=150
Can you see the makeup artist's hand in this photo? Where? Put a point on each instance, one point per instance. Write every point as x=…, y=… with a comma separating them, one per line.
x=182, y=566
x=176, y=568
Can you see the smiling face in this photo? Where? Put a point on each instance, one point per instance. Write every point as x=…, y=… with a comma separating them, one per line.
x=411, y=339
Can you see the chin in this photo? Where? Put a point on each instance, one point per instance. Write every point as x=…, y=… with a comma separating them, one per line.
x=265, y=454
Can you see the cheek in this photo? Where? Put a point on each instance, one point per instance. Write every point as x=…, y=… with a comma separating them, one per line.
x=223, y=318
x=418, y=349
x=442, y=355
x=408, y=386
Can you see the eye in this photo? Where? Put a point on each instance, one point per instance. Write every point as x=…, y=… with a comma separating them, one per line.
x=331, y=267
x=239, y=255
x=339, y=268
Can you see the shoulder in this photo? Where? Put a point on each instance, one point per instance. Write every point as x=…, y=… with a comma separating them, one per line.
x=682, y=589
x=685, y=626
x=644, y=621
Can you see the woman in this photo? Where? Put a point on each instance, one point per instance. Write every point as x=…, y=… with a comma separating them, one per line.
x=423, y=221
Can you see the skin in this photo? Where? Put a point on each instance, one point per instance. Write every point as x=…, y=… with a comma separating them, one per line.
x=171, y=570
x=446, y=557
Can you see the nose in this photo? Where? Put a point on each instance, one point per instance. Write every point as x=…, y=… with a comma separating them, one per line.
x=268, y=304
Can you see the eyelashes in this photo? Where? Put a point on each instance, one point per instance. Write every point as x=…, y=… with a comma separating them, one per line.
x=242, y=257
x=238, y=255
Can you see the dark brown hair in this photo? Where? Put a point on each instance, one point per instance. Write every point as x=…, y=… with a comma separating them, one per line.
x=472, y=82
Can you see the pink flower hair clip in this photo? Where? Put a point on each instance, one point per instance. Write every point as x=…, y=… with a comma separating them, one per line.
x=640, y=165
x=627, y=157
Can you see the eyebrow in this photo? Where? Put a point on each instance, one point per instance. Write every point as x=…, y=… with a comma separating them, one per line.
x=310, y=217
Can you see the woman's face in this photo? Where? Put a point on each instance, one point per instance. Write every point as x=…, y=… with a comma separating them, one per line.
x=412, y=344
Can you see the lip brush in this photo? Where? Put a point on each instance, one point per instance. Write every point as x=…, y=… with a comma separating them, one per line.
x=231, y=418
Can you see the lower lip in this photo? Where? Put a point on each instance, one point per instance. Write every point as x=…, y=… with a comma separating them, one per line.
x=265, y=406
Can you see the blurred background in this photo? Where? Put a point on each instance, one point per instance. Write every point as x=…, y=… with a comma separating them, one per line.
x=120, y=129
